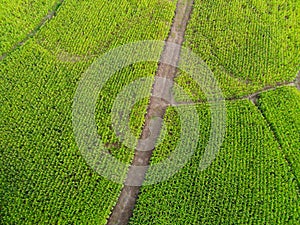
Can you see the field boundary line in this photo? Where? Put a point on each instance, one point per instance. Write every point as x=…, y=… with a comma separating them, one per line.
x=274, y=134
x=123, y=210
x=251, y=96
x=45, y=19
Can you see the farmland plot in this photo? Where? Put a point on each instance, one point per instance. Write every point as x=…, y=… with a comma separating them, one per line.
x=281, y=108
x=43, y=176
x=248, y=183
x=19, y=18
x=247, y=44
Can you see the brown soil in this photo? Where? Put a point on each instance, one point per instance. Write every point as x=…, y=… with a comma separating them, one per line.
x=124, y=208
x=297, y=81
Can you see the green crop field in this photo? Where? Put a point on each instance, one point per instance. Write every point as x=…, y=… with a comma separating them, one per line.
x=251, y=46
x=283, y=117
x=18, y=18
x=248, y=183
x=43, y=177
x=247, y=44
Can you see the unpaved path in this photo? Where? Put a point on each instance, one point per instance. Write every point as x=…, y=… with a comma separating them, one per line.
x=253, y=96
x=46, y=18
x=297, y=81
x=124, y=208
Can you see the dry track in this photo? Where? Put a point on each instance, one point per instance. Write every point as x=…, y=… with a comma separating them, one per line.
x=157, y=107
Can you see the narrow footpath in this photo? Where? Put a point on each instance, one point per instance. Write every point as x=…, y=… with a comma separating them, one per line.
x=124, y=208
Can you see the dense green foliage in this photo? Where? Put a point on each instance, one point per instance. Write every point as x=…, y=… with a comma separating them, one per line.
x=19, y=18
x=43, y=177
x=248, y=183
x=247, y=44
x=91, y=31
x=281, y=108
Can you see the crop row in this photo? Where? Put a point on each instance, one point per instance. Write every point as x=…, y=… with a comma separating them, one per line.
x=43, y=176
x=281, y=108
x=249, y=182
x=19, y=18
x=247, y=44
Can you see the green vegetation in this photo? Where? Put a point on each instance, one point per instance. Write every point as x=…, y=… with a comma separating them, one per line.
x=19, y=18
x=281, y=108
x=247, y=44
x=248, y=183
x=106, y=100
x=91, y=31
x=43, y=177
